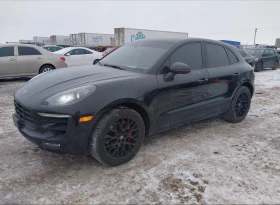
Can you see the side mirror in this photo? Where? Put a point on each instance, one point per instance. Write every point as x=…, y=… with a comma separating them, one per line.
x=180, y=68
x=67, y=54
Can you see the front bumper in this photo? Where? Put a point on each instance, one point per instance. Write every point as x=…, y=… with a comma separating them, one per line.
x=71, y=136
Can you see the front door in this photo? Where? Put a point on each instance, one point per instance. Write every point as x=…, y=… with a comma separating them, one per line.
x=30, y=60
x=266, y=58
x=8, y=62
x=183, y=98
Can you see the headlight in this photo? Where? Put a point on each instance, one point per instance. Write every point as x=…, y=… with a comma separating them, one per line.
x=70, y=96
x=256, y=59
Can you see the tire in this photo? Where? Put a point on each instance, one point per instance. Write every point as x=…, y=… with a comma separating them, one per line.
x=275, y=65
x=95, y=61
x=258, y=67
x=107, y=141
x=236, y=113
x=46, y=68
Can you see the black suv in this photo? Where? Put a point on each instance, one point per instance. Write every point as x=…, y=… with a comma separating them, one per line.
x=265, y=58
x=142, y=88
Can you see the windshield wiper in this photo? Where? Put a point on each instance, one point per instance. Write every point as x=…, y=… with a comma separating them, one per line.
x=114, y=66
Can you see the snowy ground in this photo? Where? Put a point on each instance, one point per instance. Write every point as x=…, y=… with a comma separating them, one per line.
x=211, y=162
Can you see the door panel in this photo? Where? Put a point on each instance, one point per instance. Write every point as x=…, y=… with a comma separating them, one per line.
x=8, y=62
x=76, y=57
x=182, y=100
x=30, y=60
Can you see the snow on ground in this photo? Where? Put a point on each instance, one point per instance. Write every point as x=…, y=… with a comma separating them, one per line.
x=212, y=161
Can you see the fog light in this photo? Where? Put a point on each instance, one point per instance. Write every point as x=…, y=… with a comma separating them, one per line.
x=52, y=145
x=53, y=115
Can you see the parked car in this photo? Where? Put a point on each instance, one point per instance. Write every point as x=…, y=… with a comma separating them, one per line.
x=142, y=88
x=248, y=58
x=75, y=56
x=24, y=60
x=52, y=48
x=109, y=50
x=265, y=58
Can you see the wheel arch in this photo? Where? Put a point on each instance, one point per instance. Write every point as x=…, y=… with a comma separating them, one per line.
x=134, y=104
x=45, y=65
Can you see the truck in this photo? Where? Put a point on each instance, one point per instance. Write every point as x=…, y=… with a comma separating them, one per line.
x=41, y=41
x=26, y=41
x=125, y=35
x=92, y=40
x=233, y=43
x=73, y=39
x=59, y=40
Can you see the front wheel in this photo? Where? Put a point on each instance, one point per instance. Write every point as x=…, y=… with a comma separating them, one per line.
x=258, y=67
x=239, y=106
x=117, y=136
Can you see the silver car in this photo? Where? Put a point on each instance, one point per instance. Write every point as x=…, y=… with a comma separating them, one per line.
x=20, y=60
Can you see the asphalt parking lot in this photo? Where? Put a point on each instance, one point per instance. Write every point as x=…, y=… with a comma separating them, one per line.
x=211, y=161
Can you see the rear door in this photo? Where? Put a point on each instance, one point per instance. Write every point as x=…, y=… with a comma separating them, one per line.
x=75, y=57
x=222, y=70
x=8, y=61
x=30, y=60
x=266, y=59
x=273, y=58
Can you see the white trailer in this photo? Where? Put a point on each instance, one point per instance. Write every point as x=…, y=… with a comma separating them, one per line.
x=41, y=41
x=125, y=35
x=59, y=40
x=94, y=39
x=74, y=39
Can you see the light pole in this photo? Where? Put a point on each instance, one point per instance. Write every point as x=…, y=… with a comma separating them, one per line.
x=255, y=35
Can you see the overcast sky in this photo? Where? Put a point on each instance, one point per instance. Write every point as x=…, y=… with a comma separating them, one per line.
x=234, y=20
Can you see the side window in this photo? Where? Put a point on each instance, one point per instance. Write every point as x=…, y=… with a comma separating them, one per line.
x=216, y=55
x=266, y=52
x=7, y=51
x=27, y=51
x=87, y=52
x=272, y=52
x=189, y=54
x=232, y=58
x=242, y=53
x=75, y=52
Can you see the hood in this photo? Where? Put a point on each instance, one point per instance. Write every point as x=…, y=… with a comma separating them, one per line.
x=62, y=79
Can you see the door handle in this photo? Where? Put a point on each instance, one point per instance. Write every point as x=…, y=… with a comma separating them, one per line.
x=203, y=80
x=236, y=74
x=12, y=59
x=39, y=58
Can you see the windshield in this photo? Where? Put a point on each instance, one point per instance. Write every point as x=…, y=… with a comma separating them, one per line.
x=255, y=52
x=140, y=55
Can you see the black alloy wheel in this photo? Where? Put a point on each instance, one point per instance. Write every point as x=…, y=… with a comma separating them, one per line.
x=121, y=137
x=242, y=104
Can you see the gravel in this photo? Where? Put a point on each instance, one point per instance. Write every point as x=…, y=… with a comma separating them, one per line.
x=212, y=161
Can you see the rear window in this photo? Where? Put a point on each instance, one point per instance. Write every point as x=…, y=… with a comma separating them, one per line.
x=7, y=51
x=27, y=51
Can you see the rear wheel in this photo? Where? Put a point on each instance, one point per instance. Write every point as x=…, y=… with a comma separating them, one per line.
x=46, y=68
x=258, y=67
x=276, y=64
x=117, y=136
x=239, y=106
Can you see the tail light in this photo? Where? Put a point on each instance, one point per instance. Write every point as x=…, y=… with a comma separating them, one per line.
x=62, y=58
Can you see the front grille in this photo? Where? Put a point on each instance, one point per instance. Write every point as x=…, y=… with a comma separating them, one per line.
x=56, y=126
x=24, y=114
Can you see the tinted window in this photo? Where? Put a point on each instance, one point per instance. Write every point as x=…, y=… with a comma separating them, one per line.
x=76, y=52
x=189, y=54
x=27, y=51
x=6, y=51
x=216, y=55
x=266, y=52
x=87, y=52
x=232, y=57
